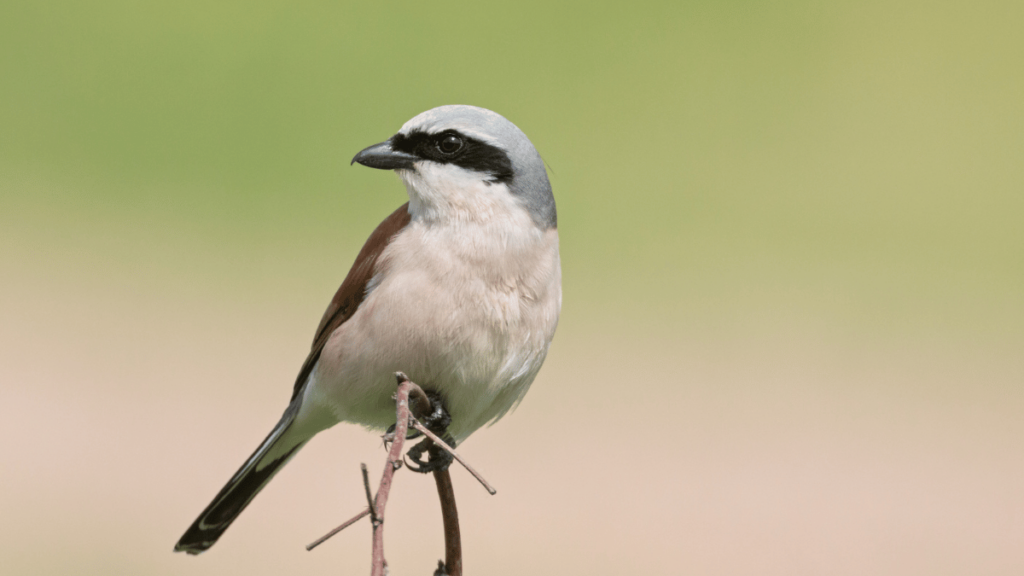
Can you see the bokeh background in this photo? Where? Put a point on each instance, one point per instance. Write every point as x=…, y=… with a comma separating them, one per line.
x=793, y=329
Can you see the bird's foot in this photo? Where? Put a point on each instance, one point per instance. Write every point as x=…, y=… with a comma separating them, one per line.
x=439, y=419
x=438, y=458
x=437, y=422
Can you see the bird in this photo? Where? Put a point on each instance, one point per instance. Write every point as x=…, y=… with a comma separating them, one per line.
x=459, y=288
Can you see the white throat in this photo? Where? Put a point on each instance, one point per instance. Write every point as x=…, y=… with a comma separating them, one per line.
x=446, y=193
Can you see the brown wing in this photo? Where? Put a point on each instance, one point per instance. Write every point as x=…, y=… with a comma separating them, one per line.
x=352, y=291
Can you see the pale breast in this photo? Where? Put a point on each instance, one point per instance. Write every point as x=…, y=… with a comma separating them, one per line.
x=468, y=310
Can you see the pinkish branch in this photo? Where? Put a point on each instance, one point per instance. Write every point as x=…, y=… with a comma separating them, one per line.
x=411, y=400
x=394, y=462
x=343, y=525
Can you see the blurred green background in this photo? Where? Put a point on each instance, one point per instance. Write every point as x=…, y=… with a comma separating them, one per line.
x=793, y=329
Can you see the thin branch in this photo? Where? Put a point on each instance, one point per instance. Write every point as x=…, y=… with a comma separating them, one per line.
x=444, y=446
x=344, y=525
x=450, y=517
x=419, y=402
x=394, y=463
x=369, y=497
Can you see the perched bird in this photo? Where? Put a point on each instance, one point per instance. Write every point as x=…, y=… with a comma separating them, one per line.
x=460, y=288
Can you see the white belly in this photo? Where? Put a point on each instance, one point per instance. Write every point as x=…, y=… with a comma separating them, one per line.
x=467, y=310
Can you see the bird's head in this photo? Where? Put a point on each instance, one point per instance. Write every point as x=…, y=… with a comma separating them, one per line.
x=466, y=163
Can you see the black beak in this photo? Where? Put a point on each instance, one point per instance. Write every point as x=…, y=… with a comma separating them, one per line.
x=383, y=157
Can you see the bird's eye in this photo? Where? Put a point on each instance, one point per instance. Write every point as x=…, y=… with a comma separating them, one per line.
x=450, y=144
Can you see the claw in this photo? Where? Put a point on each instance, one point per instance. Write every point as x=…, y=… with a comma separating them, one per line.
x=437, y=459
x=389, y=434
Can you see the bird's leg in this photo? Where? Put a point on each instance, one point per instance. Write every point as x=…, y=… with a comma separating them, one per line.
x=437, y=422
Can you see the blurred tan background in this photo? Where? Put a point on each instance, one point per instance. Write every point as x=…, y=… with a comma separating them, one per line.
x=793, y=332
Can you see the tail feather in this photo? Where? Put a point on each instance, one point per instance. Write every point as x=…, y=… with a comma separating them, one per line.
x=266, y=461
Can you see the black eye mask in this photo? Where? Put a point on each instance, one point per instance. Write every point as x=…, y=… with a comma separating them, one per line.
x=453, y=147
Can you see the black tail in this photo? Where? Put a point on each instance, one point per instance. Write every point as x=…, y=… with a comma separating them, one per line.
x=270, y=457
